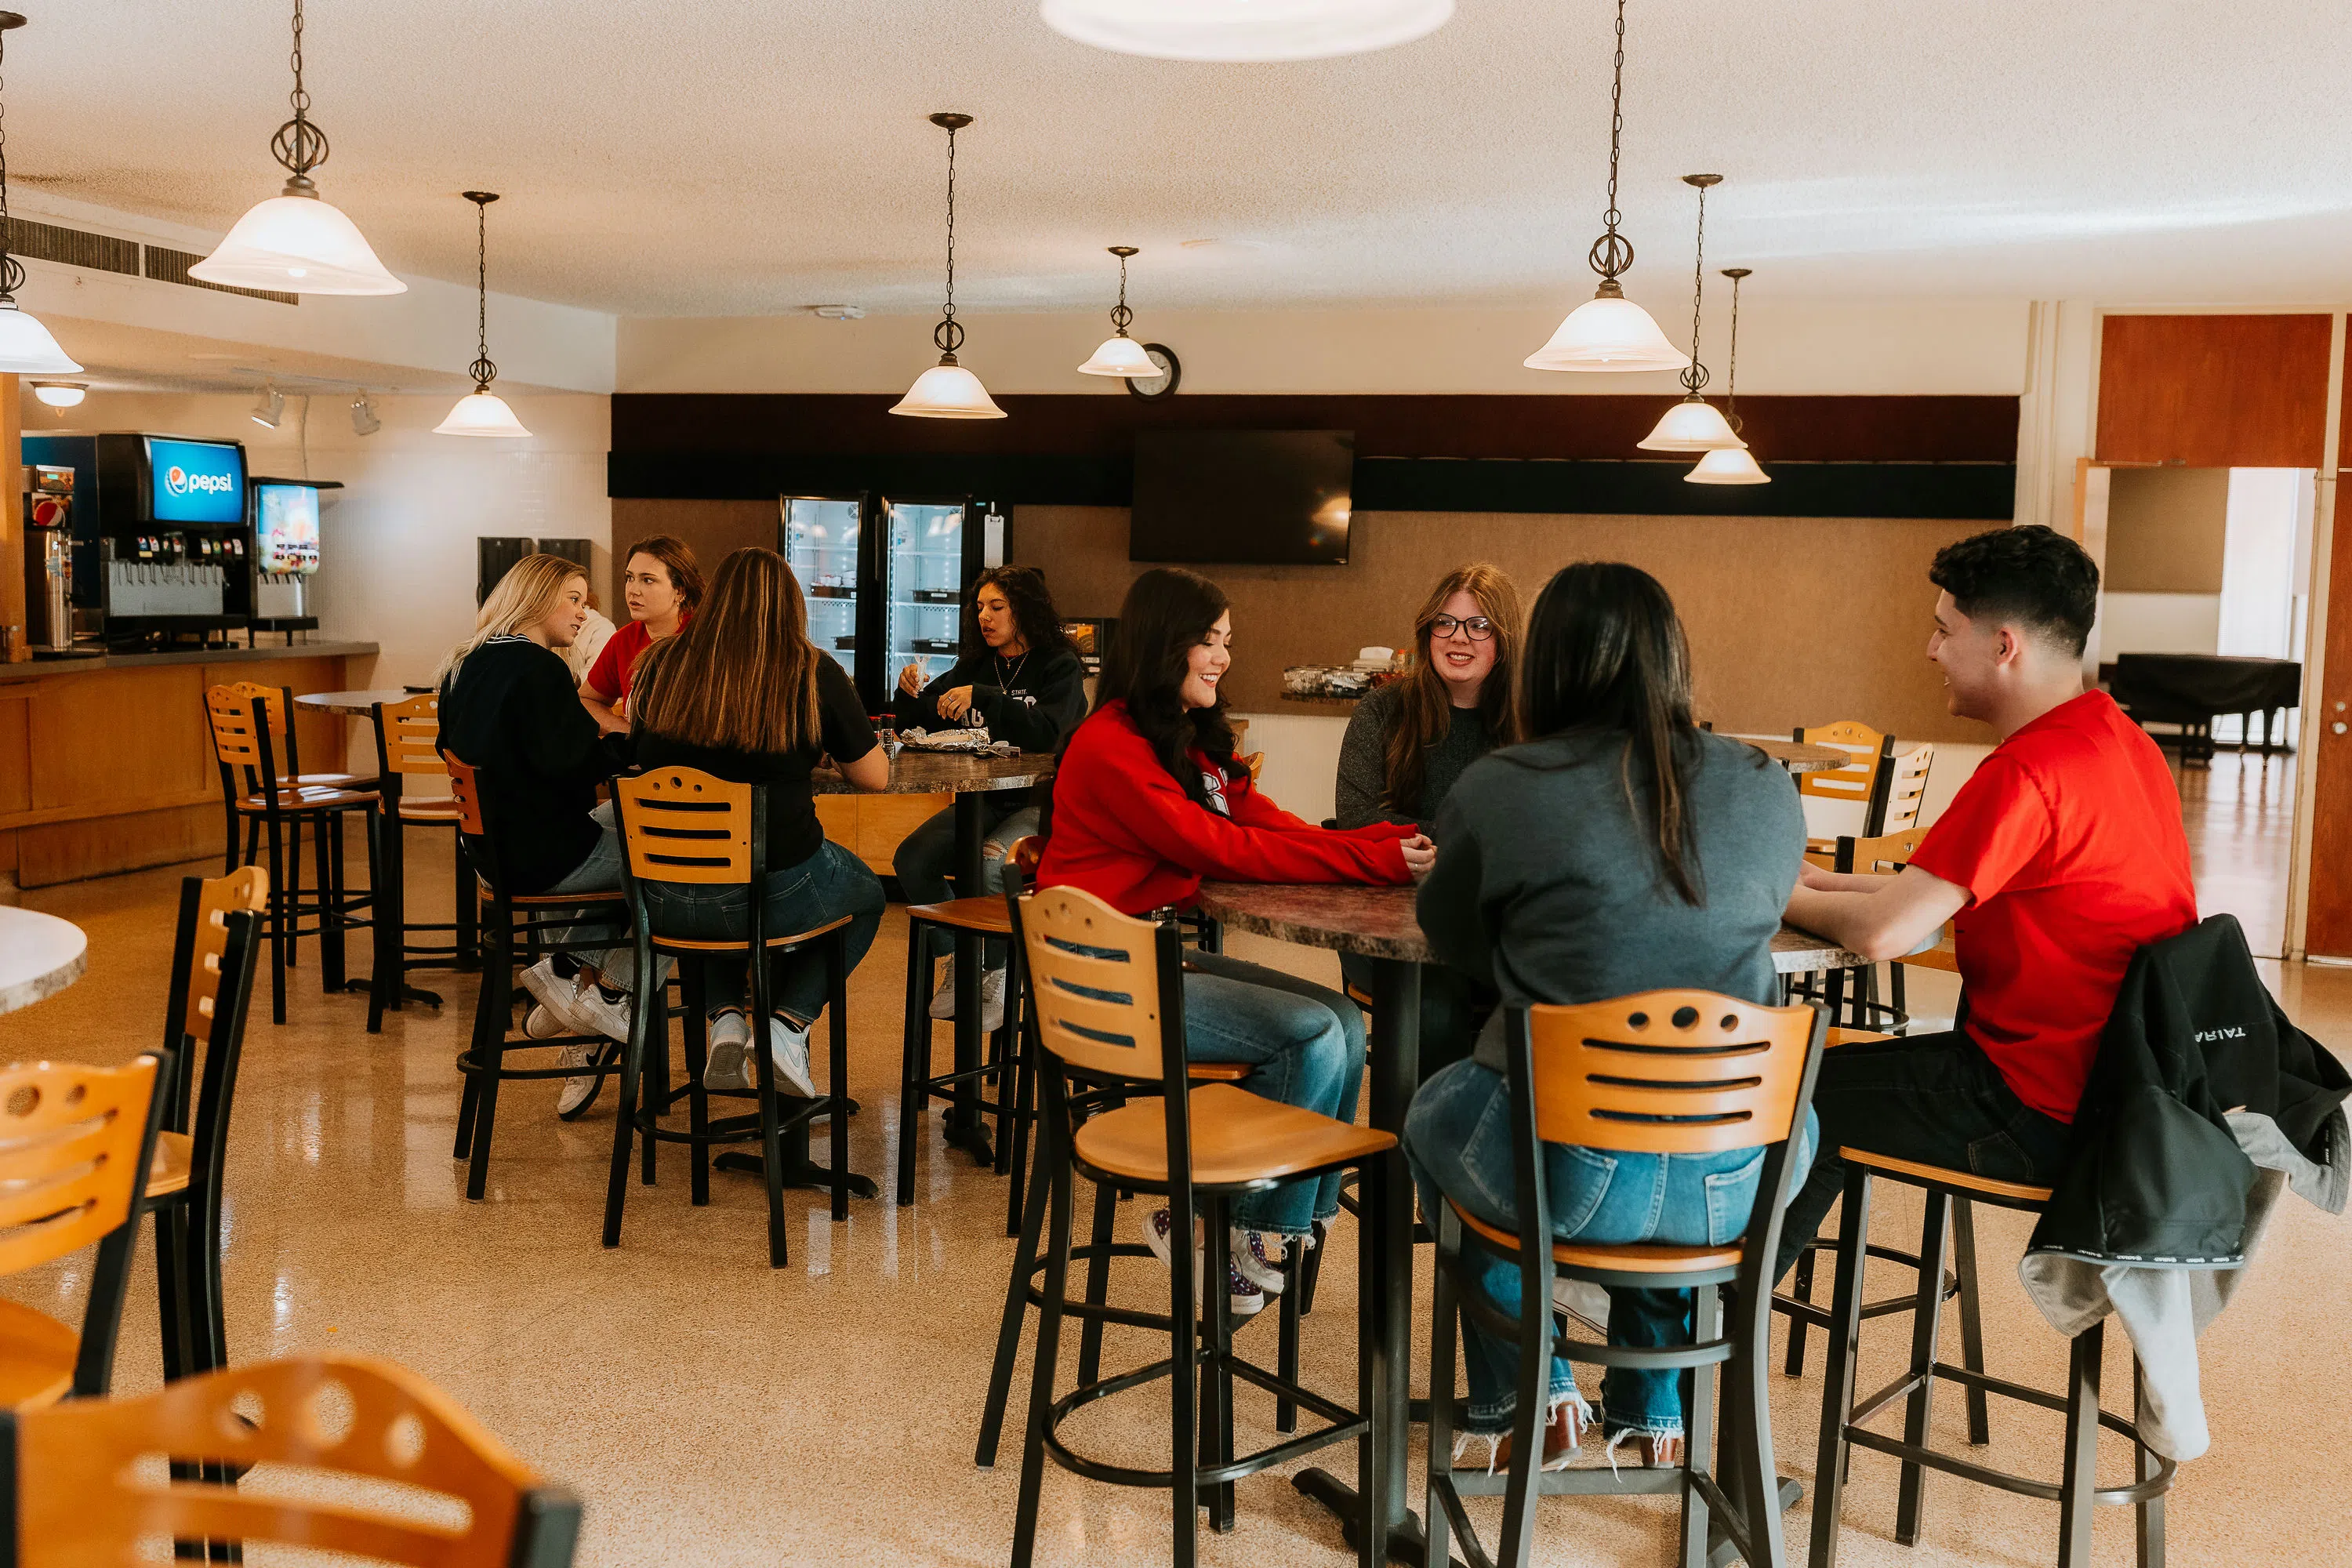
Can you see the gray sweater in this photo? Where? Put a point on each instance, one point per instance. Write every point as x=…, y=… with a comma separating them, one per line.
x=1548, y=887
x=1363, y=785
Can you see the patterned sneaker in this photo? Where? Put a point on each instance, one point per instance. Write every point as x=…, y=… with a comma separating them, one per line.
x=1258, y=1258
x=1243, y=1296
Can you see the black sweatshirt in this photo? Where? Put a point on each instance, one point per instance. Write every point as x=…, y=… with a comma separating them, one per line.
x=512, y=711
x=1033, y=701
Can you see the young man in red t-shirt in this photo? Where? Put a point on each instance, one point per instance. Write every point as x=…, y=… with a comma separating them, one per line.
x=2061, y=858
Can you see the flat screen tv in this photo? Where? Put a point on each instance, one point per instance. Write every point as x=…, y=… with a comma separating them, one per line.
x=1241, y=497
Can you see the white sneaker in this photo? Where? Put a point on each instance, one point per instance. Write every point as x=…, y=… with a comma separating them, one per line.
x=560, y=996
x=788, y=1053
x=599, y=1014
x=991, y=1001
x=943, y=999
x=579, y=1090
x=729, y=1066
x=1258, y=1258
x=539, y=1024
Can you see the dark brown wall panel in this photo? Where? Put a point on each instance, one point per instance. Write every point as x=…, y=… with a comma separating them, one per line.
x=2329, y=929
x=2214, y=392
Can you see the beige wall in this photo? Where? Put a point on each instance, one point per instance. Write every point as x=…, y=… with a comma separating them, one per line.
x=2166, y=529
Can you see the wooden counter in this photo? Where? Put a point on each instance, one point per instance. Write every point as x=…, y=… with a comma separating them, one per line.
x=106, y=765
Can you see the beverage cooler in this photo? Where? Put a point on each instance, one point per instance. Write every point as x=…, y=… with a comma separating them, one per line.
x=884, y=578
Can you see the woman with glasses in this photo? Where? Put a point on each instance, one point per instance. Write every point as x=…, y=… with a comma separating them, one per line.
x=1411, y=738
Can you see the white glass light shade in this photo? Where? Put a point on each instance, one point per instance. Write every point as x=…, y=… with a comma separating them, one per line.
x=1121, y=355
x=26, y=348
x=1245, y=29
x=1607, y=332
x=1694, y=425
x=948, y=391
x=60, y=394
x=297, y=244
x=1727, y=465
x=480, y=414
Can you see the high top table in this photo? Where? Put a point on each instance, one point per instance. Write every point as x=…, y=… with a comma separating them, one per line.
x=1378, y=923
x=40, y=955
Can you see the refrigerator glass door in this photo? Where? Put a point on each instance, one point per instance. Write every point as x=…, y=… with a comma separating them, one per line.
x=820, y=545
x=925, y=587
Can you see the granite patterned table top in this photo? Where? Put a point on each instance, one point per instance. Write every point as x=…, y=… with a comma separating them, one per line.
x=1380, y=922
x=1798, y=757
x=40, y=955
x=958, y=773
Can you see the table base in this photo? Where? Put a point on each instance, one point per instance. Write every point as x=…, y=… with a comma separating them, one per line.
x=799, y=1171
x=1409, y=1542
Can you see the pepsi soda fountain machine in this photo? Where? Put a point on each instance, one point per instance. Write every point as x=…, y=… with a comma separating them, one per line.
x=286, y=552
x=161, y=545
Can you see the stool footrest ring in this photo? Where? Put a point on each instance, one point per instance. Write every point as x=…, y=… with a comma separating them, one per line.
x=2139, y=1491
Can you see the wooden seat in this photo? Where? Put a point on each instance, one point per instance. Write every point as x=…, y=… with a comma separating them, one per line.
x=432, y=809
x=1839, y=1036
x=37, y=1357
x=698, y=944
x=1238, y=1138
x=168, y=1172
x=1217, y=1072
x=2015, y=1194
x=986, y=916
x=557, y=901
x=1635, y=1257
x=307, y=797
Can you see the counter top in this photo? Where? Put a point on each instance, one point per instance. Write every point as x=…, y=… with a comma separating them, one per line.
x=44, y=668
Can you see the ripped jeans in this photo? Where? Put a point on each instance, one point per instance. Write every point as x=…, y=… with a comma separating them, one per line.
x=1457, y=1139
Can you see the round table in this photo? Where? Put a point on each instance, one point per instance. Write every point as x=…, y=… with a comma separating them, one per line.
x=353, y=704
x=40, y=955
x=1379, y=923
x=1801, y=756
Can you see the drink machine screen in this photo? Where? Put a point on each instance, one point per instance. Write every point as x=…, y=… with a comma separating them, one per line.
x=285, y=528
x=195, y=482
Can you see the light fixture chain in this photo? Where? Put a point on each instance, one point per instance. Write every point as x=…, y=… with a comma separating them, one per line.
x=11, y=272
x=1693, y=375
x=299, y=97
x=1731, y=388
x=484, y=370
x=300, y=145
x=949, y=312
x=1120, y=315
x=1612, y=255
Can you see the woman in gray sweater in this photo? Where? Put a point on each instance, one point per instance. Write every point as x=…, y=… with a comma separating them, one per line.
x=1411, y=738
x=1621, y=850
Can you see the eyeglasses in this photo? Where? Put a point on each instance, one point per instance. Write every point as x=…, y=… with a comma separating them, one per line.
x=1478, y=628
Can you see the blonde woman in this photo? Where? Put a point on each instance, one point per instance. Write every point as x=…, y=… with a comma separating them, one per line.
x=740, y=691
x=509, y=708
x=1410, y=740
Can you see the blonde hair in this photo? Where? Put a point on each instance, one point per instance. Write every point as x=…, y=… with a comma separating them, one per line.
x=525, y=596
x=741, y=676
x=1425, y=706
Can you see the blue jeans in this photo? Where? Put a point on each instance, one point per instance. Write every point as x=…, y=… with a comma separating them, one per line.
x=1306, y=1043
x=1458, y=1138
x=826, y=886
x=925, y=862
x=601, y=873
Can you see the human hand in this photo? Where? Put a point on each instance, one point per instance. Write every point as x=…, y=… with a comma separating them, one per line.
x=1420, y=855
x=1812, y=875
x=910, y=681
x=955, y=703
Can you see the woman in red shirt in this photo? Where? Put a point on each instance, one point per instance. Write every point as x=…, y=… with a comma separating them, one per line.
x=1146, y=802
x=662, y=583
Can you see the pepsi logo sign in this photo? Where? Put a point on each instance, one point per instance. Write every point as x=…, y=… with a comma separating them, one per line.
x=178, y=481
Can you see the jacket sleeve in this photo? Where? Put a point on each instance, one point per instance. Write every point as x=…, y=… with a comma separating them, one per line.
x=1276, y=847
x=922, y=713
x=558, y=737
x=1053, y=709
x=1451, y=902
x=1361, y=796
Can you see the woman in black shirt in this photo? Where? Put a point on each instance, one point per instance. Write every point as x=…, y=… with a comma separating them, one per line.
x=1021, y=678
x=742, y=693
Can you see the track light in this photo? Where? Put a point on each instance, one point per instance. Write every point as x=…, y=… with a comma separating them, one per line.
x=363, y=419
x=269, y=407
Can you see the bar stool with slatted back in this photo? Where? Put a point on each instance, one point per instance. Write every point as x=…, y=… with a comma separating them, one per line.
x=1107, y=996
x=1843, y=1417
x=1861, y=783
x=1662, y=1072
x=407, y=746
x=76, y=1144
x=435, y=1489
x=213, y=956
x=255, y=792
x=683, y=826
x=516, y=921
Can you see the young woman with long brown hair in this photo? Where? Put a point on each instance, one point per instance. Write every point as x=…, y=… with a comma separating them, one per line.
x=661, y=583
x=742, y=693
x=1410, y=740
x=1619, y=849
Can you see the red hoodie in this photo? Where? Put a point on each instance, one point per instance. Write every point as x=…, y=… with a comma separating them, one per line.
x=1125, y=830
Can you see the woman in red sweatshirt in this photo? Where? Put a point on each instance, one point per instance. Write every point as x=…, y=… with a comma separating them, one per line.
x=1147, y=800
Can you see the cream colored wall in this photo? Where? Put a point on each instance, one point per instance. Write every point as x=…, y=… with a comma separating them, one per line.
x=1933, y=347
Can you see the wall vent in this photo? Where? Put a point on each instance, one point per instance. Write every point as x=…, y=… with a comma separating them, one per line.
x=105, y=253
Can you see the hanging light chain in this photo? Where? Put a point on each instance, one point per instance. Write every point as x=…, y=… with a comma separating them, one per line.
x=1612, y=254
x=1731, y=387
x=483, y=369
x=1694, y=377
x=299, y=145
x=948, y=333
x=12, y=272
x=1120, y=315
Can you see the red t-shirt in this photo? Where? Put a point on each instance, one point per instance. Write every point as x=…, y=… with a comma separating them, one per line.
x=610, y=674
x=2068, y=840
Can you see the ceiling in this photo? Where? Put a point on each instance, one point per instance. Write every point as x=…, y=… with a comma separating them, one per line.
x=744, y=157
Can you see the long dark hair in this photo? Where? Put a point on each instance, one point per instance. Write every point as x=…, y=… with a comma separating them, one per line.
x=1606, y=654
x=1166, y=614
x=1427, y=706
x=741, y=676
x=1033, y=616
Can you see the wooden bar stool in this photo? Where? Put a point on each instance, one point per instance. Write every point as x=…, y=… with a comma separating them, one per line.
x=1843, y=1417
x=1862, y=782
x=212, y=983
x=679, y=825
x=76, y=1144
x=516, y=921
x=407, y=745
x=1118, y=1022
x=273, y=806
x=75, y=1493
x=1663, y=1072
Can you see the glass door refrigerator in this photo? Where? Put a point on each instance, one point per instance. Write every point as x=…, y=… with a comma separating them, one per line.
x=823, y=538
x=933, y=546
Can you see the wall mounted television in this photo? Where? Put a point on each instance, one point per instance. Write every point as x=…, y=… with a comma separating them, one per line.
x=1241, y=497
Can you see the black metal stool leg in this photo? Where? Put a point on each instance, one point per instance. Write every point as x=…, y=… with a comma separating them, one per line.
x=1008, y=1332
x=914, y=1057
x=490, y=1050
x=1216, y=1439
x=698, y=1099
x=1927, y=1325
x=2076, y=1490
x=1801, y=1287
x=1042, y=1369
x=836, y=1034
x=1286, y=1355
x=1090, y=1337
x=2148, y=1517
x=1837, y=1376
x=282, y=915
x=1963, y=1265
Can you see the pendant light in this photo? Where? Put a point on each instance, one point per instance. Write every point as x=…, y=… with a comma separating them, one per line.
x=947, y=390
x=1237, y=30
x=1121, y=354
x=1694, y=425
x=295, y=242
x=482, y=412
x=1730, y=465
x=26, y=346
x=1609, y=331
